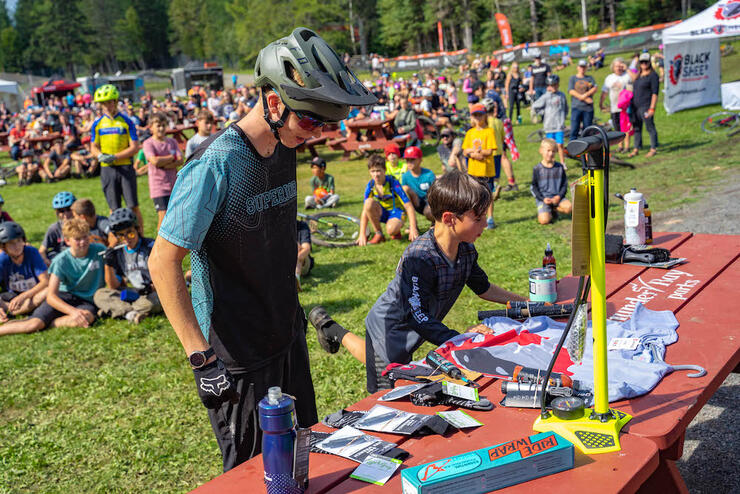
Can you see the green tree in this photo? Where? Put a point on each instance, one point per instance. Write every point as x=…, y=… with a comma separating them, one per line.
x=154, y=22
x=185, y=22
x=100, y=17
x=57, y=42
x=130, y=44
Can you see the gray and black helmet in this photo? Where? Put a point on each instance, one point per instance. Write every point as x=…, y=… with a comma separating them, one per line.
x=10, y=230
x=122, y=218
x=552, y=79
x=329, y=87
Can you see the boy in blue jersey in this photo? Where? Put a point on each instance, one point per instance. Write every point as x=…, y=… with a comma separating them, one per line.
x=22, y=273
x=74, y=276
x=234, y=209
x=416, y=181
x=385, y=202
x=429, y=278
x=114, y=142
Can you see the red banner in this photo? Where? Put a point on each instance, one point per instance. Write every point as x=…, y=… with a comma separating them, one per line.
x=505, y=29
x=440, y=35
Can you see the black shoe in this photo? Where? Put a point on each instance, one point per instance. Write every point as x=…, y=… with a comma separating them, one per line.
x=320, y=319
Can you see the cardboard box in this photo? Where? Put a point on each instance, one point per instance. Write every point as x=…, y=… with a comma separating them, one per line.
x=493, y=467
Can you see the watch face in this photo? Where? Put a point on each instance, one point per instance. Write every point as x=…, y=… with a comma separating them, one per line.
x=197, y=359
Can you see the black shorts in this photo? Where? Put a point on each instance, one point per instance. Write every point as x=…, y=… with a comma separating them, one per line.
x=118, y=180
x=160, y=203
x=8, y=296
x=47, y=313
x=237, y=427
x=422, y=205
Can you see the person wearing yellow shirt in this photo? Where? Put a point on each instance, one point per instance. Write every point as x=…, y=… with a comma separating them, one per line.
x=114, y=142
x=479, y=147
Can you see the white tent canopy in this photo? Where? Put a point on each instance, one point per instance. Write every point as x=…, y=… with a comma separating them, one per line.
x=692, y=56
x=10, y=93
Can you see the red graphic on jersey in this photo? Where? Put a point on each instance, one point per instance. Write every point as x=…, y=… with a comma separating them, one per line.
x=728, y=11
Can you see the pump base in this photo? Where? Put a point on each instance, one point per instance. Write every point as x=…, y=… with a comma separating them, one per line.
x=590, y=435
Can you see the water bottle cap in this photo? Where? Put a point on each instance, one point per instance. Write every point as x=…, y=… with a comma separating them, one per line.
x=274, y=394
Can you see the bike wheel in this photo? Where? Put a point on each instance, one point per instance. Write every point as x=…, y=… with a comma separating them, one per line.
x=536, y=136
x=720, y=123
x=334, y=229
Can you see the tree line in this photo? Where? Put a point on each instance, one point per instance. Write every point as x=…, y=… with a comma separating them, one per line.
x=78, y=37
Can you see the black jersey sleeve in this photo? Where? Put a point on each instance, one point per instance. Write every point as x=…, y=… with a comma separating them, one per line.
x=478, y=280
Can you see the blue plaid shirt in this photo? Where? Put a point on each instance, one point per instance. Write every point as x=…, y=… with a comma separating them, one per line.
x=425, y=287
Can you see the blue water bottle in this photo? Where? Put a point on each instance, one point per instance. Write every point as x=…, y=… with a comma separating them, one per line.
x=278, y=424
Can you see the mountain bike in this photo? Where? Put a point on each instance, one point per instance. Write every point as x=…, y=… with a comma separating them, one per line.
x=333, y=229
x=723, y=122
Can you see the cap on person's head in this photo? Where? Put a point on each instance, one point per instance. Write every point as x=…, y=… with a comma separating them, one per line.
x=582, y=63
x=412, y=152
x=318, y=161
x=392, y=147
x=644, y=57
x=477, y=108
x=538, y=55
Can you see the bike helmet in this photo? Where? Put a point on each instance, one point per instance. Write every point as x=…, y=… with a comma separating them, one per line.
x=63, y=200
x=10, y=230
x=489, y=103
x=329, y=87
x=122, y=218
x=106, y=92
x=552, y=79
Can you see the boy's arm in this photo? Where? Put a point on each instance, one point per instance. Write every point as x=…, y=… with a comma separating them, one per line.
x=111, y=280
x=29, y=294
x=411, y=213
x=540, y=102
x=563, y=189
x=52, y=298
x=498, y=294
x=593, y=89
x=416, y=294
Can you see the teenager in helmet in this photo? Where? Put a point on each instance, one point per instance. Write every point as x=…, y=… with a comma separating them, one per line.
x=126, y=268
x=23, y=273
x=114, y=142
x=53, y=242
x=234, y=207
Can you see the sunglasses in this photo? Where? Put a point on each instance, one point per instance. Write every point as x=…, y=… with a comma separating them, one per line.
x=64, y=210
x=131, y=233
x=308, y=122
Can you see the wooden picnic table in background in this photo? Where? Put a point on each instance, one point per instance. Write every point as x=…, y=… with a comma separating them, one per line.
x=697, y=292
x=178, y=133
x=41, y=142
x=4, y=138
x=365, y=134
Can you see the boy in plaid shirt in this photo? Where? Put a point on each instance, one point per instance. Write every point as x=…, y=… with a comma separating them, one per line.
x=429, y=278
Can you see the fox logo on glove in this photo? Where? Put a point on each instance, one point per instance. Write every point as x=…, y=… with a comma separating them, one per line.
x=215, y=386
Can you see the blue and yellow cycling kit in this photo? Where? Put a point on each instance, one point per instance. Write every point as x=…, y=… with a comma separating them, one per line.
x=392, y=191
x=113, y=135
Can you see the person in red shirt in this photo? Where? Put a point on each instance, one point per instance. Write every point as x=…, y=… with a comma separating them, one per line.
x=15, y=139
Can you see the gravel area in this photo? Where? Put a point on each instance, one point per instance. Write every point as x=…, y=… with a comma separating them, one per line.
x=711, y=456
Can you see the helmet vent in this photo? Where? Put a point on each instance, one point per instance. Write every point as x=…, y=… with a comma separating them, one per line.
x=319, y=63
x=307, y=34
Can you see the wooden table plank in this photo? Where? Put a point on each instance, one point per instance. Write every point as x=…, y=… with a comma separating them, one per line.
x=708, y=336
x=661, y=289
x=623, y=471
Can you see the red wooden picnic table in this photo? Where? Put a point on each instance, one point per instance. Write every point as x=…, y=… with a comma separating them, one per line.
x=42, y=141
x=365, y=134
x=4, y=138
x=697, y=292
x=178, y=133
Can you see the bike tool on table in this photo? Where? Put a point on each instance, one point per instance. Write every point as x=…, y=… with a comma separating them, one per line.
x=591, y=430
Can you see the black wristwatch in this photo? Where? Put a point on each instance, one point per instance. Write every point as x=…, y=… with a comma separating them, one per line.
x=199, y=359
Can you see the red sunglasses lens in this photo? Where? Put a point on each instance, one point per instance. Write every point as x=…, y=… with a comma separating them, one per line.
x=308, y=123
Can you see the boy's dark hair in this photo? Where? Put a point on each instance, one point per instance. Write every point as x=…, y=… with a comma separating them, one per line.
x=158, y=117
x=206, y=115
x=458, y=193
x=84, y=207
x=375, y=161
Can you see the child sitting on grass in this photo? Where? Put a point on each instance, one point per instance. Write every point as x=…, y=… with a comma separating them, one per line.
x=127, y=264
x=99, y=226
x=429, y=278
x=75, y=276
x=416, y=181
x=549, y=184
x=394, y=166
x=322, y=185
x=53, y=242
x=479, y=146
x=22, y=273
x=28, y=170
x=385, y=202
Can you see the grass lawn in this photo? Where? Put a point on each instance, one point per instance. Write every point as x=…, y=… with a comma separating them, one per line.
x=113, y=408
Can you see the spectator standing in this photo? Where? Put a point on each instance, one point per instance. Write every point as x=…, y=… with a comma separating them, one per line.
x=164, y=158
x=513, y=92
x=538, y=82
x=450, y=151
x=614, y=84
x=479, y=146
x=114, y=143
x=554, y=105
x=646, y=85
x=581, y=88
